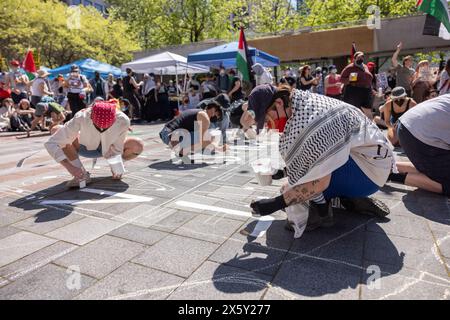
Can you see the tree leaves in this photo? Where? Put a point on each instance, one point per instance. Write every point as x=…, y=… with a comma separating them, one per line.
x=43, y=25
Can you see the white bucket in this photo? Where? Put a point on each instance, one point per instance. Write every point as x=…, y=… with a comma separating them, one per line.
x=116, y=164
x=263, y=171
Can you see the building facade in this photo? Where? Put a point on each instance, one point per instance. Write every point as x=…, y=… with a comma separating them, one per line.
x=100, y=5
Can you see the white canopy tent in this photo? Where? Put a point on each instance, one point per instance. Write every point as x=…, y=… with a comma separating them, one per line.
x=165, y=63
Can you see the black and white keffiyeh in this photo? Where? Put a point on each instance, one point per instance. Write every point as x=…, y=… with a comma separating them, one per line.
x=317, y=136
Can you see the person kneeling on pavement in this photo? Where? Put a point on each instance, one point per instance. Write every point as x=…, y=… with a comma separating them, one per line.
x=188, y=132
x=330, y=150
x=95, y=132
x=47, y=107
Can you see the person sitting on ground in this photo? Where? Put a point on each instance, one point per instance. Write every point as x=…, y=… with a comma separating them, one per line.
x=187, y=132
x=94, y=132
x=379, y=117
x=47, y=108
x=398, y=105
x=6, y=111
x=330, y=149
x=25, y=112
x=424, y=134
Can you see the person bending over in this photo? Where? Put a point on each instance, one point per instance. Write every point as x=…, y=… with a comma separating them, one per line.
x=424, y=133
x=95, y=132
x=188, y=131
x=330, y=151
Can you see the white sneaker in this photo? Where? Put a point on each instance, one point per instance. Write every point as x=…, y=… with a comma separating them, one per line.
x=75, y=182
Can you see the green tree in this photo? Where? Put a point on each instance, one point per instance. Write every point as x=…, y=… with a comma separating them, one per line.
x=323, y=12
x=43, y=26
x=170, y=22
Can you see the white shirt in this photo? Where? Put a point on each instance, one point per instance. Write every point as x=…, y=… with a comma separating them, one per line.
x=35, y=87
x=81, y=127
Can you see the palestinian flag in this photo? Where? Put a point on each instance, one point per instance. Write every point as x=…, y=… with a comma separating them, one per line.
x=243, y=59
x=437, y=22
x=352, y=54
x=28, y=65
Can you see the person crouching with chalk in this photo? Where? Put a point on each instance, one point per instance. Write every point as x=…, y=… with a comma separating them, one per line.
x=95, y=132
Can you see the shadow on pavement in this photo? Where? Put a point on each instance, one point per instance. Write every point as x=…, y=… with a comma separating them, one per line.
x=169, y=165
x=52, y=212
x=429, y=205
x=325, y=261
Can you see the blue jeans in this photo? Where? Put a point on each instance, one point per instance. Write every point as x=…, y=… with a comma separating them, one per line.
x=185, y=140
x=349, y=181
x=90, y=154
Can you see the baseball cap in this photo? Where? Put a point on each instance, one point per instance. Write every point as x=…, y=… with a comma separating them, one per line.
x=259, y=100
x=15, y=63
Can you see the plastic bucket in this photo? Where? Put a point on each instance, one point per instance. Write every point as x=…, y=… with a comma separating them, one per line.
x=264, y=179
x=263, y=171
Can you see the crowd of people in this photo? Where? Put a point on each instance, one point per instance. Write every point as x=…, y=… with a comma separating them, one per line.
x=331, y=125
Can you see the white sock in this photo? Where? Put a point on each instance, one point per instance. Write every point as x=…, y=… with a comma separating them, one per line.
x=319, y=199
x=77, y=163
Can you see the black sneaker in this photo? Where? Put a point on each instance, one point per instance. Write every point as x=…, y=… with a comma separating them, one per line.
x=280, y=174
x=368, y=206
x=289, y=226
x=320, y=215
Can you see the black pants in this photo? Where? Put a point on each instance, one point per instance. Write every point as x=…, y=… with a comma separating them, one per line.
x=134, y=101
x=358, y=97
x=431, y=161
x=75, y=102
x=152, y=108
x=163, y=101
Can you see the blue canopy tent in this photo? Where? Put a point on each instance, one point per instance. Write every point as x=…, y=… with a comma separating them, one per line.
x=87, y=68
x=225, y=55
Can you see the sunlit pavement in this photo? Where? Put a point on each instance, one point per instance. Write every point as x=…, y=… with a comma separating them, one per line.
x=175, y=231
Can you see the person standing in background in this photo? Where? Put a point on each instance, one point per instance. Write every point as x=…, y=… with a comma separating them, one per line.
x=223, y=81
x=405, y=72
x=57, y=87
x=444, y=80
x=98, y=87
x=109, y=86
x=333, y=84
x=130, y=88
x=39, y=87
x=77, y=86
x=358, y=85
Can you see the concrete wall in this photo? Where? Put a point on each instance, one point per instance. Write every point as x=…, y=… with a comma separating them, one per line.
x=334, y=44
x=316, y=45
x=409, y=31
